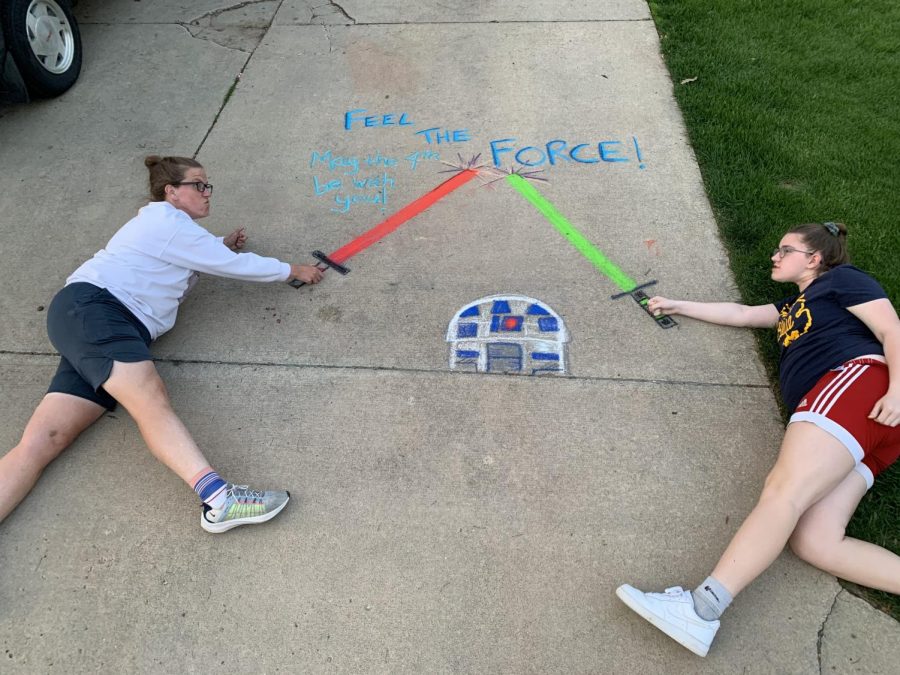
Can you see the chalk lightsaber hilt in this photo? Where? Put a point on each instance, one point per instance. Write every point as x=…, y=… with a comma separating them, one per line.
x=624, y=293
x=324, y=263
x=662, y=320
x=641, y=298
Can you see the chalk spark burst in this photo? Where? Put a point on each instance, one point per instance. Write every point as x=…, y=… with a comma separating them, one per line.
x=463, y=164
x=488, y=175
x=502, y=173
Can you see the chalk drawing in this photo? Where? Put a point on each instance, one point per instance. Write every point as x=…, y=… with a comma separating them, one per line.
x=349, y=181
x=345, y=182
x=358, y=116
x=397, y=219
x=565, y=228
x=507, y=334
x=439, y=136
x=552, y=152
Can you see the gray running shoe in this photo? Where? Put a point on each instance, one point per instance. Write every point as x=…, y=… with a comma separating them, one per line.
x=243, y=506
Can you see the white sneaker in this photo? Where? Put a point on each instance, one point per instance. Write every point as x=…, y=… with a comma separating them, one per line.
x=673, y=613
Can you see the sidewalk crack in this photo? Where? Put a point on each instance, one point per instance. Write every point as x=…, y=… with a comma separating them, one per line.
x=330, y=9
x=230, y=8
x=821, y=634
x=232, y=29
x=262, y=32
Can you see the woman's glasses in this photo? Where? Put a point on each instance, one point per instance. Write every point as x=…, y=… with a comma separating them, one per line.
x=200, y=185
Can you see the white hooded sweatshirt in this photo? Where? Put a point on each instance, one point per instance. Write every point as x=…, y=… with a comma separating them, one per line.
x=150, y=264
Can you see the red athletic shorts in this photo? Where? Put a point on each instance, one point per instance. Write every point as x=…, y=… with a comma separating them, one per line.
x=840, y=404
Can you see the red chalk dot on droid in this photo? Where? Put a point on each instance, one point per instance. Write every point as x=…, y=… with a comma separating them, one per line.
x=509, y=323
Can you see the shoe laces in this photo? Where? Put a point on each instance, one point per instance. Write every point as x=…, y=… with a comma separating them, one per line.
x=244, y=493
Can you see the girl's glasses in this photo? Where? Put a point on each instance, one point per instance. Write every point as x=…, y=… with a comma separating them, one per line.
x=779, y=252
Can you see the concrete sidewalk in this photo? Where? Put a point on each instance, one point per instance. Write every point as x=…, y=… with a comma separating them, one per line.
x=442, y=521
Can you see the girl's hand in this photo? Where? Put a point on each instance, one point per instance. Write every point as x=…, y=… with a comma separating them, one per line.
x=236, y=240
x=659, y=305
x=887, y=410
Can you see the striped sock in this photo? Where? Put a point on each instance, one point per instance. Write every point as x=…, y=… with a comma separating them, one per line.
x=210, y=487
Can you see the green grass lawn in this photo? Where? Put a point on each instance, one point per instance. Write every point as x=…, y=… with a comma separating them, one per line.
x=795, y=117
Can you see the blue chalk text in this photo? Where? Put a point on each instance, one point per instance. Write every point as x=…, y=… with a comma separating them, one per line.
x=552, y=152
x=358, y=116
x=438, y=135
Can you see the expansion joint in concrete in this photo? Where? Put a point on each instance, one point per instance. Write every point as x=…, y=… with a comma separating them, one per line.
x=389, y=369
x=9, y=352
x=497, y=22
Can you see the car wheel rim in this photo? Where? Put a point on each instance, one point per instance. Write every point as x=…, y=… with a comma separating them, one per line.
x=50, y=36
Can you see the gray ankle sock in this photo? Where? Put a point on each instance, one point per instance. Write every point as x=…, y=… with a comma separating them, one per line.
x=711, y=599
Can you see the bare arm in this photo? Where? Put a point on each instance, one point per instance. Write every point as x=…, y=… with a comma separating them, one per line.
x=723, y=313
x=880, y=317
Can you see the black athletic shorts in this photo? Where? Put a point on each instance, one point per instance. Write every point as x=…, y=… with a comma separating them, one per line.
x=90, y=329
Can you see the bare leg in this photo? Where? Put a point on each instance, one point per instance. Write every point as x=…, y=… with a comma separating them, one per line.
x=819, y=540
x=138, y=387
x=811, y=464
x=55, y=423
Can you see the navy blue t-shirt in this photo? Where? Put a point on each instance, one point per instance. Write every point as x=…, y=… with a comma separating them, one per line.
x=817, y=333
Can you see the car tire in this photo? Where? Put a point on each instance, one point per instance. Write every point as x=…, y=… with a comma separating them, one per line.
x=45, y=42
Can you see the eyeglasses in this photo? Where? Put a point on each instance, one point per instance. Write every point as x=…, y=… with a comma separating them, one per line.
x=200, y=185
x=782, y=251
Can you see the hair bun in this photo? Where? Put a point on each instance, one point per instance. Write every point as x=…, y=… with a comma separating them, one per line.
x=152, y=160
x=835, y=229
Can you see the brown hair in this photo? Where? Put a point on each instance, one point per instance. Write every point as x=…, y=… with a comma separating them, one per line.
x=829, y=239
x=166, y=171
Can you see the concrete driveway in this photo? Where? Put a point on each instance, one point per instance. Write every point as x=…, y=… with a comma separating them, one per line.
x=448, y=514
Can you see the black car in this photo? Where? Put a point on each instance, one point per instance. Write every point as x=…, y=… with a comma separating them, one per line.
x=40, y=49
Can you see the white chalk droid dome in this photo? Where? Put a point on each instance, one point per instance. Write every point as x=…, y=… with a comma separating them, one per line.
x=507, y=334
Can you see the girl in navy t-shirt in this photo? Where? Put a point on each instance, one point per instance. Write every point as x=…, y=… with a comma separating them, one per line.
x=840, y=378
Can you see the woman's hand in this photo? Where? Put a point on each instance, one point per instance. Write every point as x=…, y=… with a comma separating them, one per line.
x=236, y=240
x=306, y=273
x=887, y=410
x=659, y=305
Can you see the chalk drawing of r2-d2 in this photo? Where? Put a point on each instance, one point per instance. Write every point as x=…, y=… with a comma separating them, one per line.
x=508, y=334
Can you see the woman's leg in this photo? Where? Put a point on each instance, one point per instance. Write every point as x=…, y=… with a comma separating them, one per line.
x=810, y=465
x=55, y=423
x=819, y=540
x=140, y=390
x=138, y=387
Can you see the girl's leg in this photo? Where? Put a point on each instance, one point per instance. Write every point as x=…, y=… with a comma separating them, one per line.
x=140, y=390
x=810, y=465
x=55, y=423
x=819, y=540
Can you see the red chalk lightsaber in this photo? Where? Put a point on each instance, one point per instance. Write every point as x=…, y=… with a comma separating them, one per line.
x=366, y=239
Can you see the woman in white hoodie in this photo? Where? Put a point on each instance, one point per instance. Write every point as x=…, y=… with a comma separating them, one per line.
x=102, y=323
